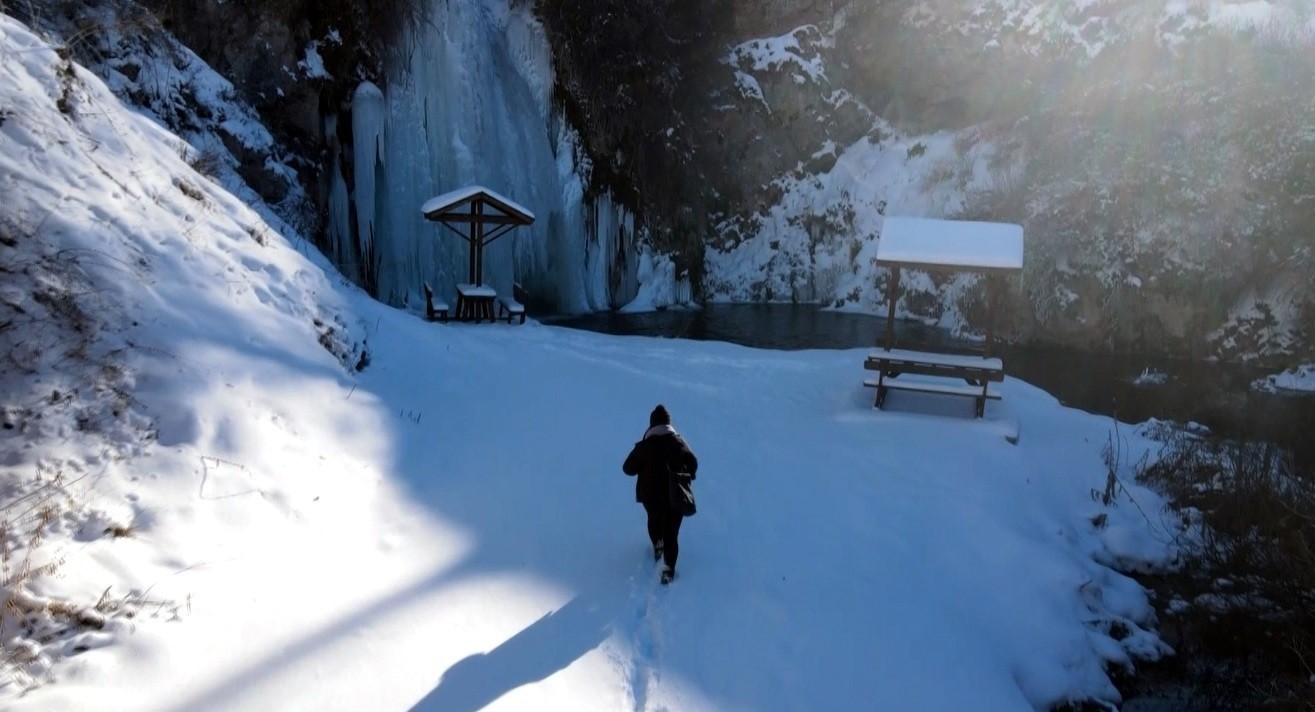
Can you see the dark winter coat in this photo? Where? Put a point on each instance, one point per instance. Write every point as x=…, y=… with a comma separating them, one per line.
x=649, y=459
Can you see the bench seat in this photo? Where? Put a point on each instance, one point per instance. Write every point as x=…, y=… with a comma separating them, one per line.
x=510, y=308
x=949, y=389
x=435, y=309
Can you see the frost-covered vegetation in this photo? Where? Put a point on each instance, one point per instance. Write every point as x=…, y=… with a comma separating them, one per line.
x=1243, y=599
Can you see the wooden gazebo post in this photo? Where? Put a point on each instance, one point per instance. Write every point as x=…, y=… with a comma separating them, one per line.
x=892, y=293
x=476, y=274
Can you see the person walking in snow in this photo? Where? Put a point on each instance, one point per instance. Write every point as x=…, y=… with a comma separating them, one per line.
x=660, y=452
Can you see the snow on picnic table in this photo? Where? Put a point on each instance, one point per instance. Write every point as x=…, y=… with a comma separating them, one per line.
x=450, y=529
x=471, y=290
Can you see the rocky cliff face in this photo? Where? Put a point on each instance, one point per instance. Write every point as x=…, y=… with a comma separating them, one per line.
x=297, y=62
x=1158, y=154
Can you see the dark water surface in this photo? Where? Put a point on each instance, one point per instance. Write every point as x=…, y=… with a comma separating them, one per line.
x=1213, y=394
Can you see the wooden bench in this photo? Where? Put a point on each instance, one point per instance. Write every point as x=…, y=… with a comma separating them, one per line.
x=434, y=310
x=510, y=308
x=977, y=371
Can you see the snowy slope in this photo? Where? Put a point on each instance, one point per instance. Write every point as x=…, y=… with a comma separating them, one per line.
x=449, y=528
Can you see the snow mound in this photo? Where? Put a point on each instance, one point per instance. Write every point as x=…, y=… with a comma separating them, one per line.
x=1296, y=380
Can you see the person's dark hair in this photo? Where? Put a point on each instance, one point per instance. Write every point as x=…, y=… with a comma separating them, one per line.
x=659, y=416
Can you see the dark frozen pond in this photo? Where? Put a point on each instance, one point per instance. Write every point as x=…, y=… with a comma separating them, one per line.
x=1216, y=395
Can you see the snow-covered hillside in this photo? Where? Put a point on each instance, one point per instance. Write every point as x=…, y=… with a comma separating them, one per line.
x=242, y=518
x=150, y=320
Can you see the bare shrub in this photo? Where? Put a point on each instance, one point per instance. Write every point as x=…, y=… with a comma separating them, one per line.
x=190, y=190
x=28, y=622
x=1243, y=608
x=209, y=162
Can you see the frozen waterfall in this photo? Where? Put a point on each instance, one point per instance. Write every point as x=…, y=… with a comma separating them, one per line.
x=468, y=101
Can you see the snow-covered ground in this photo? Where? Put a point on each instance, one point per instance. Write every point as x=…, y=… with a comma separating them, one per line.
x=449, y=529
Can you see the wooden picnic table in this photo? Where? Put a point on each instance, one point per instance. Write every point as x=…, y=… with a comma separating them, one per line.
x=475, y=302
x=992, y=249
x=977, y=371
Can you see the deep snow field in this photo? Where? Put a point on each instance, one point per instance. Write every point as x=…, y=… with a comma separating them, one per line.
x=449, y=528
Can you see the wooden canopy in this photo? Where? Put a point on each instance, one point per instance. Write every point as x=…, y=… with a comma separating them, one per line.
x=925, y=243
x=468, y=212
x=948, y=245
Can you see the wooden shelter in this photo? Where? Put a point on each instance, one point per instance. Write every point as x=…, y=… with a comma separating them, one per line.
x=479, y=216
x=993, y=249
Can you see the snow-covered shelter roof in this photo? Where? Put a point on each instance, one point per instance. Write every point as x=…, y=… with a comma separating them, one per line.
x=952, y=244
x=459, y=206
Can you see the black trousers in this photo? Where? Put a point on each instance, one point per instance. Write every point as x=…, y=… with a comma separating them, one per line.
x=664, y=526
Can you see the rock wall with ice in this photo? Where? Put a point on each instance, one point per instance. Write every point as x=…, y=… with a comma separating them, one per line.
x=467, y=100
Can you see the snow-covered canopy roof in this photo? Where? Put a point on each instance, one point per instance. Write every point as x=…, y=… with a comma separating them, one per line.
x=953, y=244
x=459, y=205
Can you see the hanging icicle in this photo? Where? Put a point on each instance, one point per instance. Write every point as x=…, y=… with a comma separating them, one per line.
x=468, y=103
